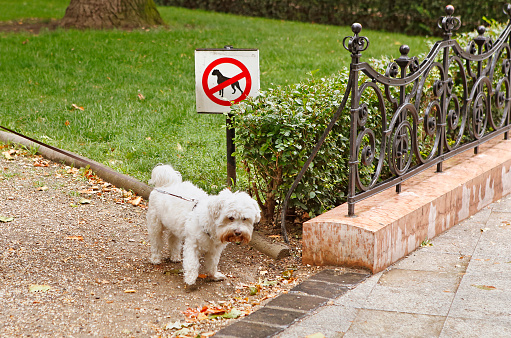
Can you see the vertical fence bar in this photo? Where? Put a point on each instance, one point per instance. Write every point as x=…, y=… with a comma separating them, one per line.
x=403, y=62
x=355, y=45
x=443, y=107
x=353, y=164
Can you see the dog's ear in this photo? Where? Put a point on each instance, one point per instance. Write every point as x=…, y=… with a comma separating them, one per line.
x=216, y=205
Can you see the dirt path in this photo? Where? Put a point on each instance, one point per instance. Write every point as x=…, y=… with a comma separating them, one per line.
x=74, y=262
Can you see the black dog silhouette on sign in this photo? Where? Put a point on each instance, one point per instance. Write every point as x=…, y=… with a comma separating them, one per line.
x=221, y=79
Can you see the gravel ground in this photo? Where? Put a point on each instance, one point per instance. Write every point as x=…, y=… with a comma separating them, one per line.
x=74, y=262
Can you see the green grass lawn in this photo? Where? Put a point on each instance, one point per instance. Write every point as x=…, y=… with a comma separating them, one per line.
x=44, y=75
x=23, y=9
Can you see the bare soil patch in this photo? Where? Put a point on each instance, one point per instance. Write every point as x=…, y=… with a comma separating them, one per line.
x=31, y=25
x=74, y=261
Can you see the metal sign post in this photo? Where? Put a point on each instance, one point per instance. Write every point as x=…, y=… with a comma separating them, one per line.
x=224, y=77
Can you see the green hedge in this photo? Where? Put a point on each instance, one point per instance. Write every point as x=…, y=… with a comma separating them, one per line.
x=404, y=16
x=275, y=133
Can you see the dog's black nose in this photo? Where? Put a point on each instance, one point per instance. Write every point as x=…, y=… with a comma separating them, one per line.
x=237, y=233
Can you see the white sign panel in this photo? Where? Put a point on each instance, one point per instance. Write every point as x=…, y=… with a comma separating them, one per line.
x=224, y=77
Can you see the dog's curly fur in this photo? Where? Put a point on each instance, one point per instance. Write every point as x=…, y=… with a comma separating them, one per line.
x=205, y=225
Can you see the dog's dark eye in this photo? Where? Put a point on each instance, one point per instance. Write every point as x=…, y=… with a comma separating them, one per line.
x=231, y=218
x=244, y=218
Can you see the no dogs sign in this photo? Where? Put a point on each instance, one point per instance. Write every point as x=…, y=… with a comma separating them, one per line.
x=225, y=76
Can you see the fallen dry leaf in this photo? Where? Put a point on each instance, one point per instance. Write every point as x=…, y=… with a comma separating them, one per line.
x=41, y=163
x=194, y=315
x=136, y=201
x=215, y=310
x=130, y=291
x=84, y=201
x=484, y=287
x=74, y=106
x=4, y=219
x=210, y=312
x=38, y=288
x=75, y=238
x=7, y=155
x=287, y=274
x=42, y=188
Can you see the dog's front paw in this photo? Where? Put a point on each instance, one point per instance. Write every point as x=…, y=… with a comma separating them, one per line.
x=155, y=259
x=190, y=278
x=218, y=277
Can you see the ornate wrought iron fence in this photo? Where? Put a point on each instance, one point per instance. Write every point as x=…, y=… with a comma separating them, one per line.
x=418, y=114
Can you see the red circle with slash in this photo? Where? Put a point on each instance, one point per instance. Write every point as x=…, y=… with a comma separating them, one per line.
x=245, y=74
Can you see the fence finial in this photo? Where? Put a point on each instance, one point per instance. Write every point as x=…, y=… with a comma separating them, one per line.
x=449, y=23
x=403, y=61
x=480, y=40
x=356, y=44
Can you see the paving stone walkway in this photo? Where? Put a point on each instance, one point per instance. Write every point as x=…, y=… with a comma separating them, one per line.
x=456, y=285
x=282, y=311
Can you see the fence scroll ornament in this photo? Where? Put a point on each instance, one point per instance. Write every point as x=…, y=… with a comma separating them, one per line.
x=420, y=113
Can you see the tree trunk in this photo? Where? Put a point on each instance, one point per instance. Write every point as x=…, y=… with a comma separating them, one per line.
x=104, y=14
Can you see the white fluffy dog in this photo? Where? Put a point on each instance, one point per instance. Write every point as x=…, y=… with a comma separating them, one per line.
x=184, y=213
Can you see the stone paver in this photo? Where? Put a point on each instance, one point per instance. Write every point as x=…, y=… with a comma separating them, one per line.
x=281, y=312
x=375, y=323
x=297, y=302
x=411, y=291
